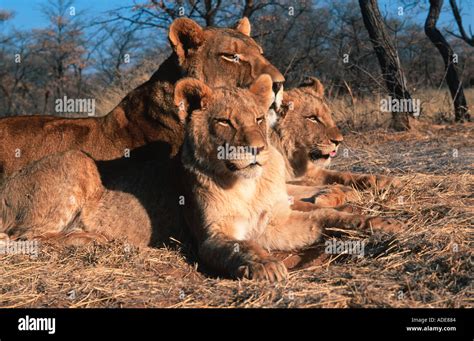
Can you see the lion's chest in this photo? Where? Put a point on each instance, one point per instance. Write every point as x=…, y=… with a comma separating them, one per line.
x=253, y=204
x=245, y=191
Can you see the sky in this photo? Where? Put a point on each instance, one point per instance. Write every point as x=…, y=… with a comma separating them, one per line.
x=28, y=16
x=27, y=13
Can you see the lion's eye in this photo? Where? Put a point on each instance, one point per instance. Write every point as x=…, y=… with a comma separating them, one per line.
x=231, y=57
x=223, y=122
x=260, y=119
x=314, y=119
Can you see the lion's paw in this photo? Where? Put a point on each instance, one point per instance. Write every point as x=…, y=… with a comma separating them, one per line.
x=265, y=270
x=385, y=224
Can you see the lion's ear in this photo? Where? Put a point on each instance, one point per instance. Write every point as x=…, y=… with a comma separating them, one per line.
x=243, y=26
x=262, y=89
x=191, y=94
x=184, y=35
x=313, y=84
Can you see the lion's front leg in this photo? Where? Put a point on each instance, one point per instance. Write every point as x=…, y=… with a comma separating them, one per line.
x=321, y=196
x=240, y=259
x=360, y=181
x=302, y=229
x=334, y=218
x=297, y=230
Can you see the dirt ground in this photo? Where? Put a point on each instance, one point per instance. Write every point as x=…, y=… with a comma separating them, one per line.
x=427, y=265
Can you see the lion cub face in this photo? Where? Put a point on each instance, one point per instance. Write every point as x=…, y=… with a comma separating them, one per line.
x=221, y=56
x=226, y=129
x=306, y=123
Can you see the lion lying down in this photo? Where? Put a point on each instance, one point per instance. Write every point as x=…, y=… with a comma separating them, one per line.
x=143, y=125
x=236, y=209
x=305, y=133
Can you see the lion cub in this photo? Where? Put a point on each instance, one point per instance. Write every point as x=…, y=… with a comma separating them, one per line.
x=305, y=133
x=238, y=207
x=231, y=177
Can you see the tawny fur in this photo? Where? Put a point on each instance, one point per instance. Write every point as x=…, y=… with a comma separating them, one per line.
x=305, y=133
x=145, y=121
x=236, y=213
x=48, y=195
x=235, y=218
x=61, y=197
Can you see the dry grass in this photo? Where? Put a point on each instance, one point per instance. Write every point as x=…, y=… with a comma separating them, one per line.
x=364, y=114
x=427, y=265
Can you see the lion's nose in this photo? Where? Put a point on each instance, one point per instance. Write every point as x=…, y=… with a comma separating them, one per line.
x=276, y=75
x=277, y=86
x=336, y=142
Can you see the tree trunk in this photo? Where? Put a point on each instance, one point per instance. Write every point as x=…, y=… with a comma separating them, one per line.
x=388, y=60
x=461, y=110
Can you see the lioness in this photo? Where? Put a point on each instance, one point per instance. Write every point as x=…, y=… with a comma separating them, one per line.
x=235, y=208
x=239, y=208
x=147, y=115
x=305, y=133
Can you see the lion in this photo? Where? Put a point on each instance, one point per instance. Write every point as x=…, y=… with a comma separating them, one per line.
x=48, y=194
x=61, y=198
x=235, y=207
x=305, y=133
x=144, y=124
x=239, y=207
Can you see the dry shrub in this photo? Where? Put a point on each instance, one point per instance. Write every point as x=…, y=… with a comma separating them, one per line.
x=364, y=114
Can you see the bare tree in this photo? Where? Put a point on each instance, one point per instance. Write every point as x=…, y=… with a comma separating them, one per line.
x=461, y=110
x=388, y=59
x=5, y=16
x=61, y=45
x=327, y=38
x=462, y=32
x=18, y=69
x=117, y=44
x=251, y=7
x=160, y=13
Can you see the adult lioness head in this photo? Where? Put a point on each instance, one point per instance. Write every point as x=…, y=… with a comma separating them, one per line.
x=226, y=127
x=221, y=56
x=144, y=122
x=305, y=129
